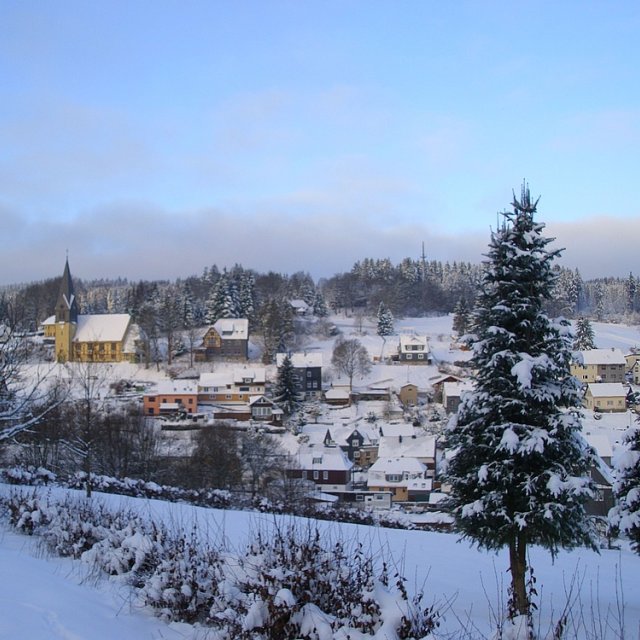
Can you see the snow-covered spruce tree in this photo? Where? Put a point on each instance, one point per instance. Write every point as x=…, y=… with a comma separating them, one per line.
x=286, y=389
x=385, y=321
x=461, y=317
x=519, y=466
x=584, y=339
x=626, y=514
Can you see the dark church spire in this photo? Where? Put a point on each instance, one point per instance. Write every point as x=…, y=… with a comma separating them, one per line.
x=66, y=306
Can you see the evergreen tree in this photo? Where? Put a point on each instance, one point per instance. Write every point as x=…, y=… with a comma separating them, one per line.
x=320, y=306
x=286, y=389
x=385, y=321
x=584, y=339
x=626, y=514
x=519, y=469
x=461, y=317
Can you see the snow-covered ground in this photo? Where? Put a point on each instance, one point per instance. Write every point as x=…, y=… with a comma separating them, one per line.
x=44, y=598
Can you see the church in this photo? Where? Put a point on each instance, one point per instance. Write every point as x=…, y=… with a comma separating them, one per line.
x=108, y=337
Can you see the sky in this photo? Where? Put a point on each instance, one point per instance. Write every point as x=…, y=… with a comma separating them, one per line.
x=152, y=139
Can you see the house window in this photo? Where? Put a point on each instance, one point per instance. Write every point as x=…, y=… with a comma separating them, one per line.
x=113, y=346
x=190, y=401
x=379, y=497
x=309, y=373
x=356, y=454
x=409, y=356
x=151, y=411
x=325, y=475
x=244, y=388
x=228, y=396
x=316, y=475
x=394, y=477
x=421, y=356
x=359, y=497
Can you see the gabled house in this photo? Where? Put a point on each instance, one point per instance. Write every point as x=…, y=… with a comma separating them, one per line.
x=231, y=387
x=452, y=394
x=300, y=307
x=307, y=371
x=414, y=349
x=328, y=468
x=171, y=396
x=607, y=397
x=420, y=447
x=395, y=475
x=227, y=339
x=602, y=476
x=408, y=394
x=598, y=365
x=264, y=409
x=360, y=444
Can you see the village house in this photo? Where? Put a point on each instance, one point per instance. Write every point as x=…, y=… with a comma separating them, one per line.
x=170, y=397
x=227, y=339
x=601, y=475
x=89, y=337
x=300, y=307
x=360, y=444
x=395, y=475
x=408, y=394
x=607, y=397
x=264, y=409
x=420, y=447
x=328, y=467
x=452, y=394
x=231, y=386
x=307, y=372
x=598, y=365
x=414, y=349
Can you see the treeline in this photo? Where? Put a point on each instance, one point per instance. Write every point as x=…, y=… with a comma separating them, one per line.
x=409, y=288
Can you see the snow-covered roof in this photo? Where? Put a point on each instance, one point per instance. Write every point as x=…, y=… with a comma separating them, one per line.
x=600, y=356
x=407, y=340
x=396, y=429
x=301, y=359
x=232, y=328
x=416, y=447
x=254, y=399
x=48, y=321
x=323, y=458
x=172, y=387
x=397, y=466
x=299, y=304
x=256, y=375
x=107, y=327
x=455, y=389
x=607, y=389
x=337, y=393
x=600, y=443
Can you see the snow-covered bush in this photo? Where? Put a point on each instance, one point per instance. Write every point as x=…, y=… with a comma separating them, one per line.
x=184, y=583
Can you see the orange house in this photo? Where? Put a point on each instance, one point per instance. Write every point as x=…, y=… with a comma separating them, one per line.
x=170, y=397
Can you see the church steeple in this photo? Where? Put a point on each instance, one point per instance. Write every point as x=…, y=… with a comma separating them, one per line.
x=66, y=305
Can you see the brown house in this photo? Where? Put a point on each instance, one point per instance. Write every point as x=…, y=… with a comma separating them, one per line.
x=227, y=339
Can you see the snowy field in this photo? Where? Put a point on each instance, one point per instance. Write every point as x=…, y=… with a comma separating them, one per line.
x=48, y=598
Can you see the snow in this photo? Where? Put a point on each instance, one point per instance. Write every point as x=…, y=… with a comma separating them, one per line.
x=52, y=598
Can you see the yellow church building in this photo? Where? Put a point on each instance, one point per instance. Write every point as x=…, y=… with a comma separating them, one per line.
x=109, y=337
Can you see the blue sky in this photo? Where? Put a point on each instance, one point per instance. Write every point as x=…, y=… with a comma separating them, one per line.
x=153, y=138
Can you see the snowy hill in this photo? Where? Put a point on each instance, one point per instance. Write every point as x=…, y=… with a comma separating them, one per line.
x=49, y=598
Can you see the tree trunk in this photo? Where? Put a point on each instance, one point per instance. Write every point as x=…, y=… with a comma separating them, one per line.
x=518, y=567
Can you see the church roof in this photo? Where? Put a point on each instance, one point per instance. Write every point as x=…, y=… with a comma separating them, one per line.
x=110, y=327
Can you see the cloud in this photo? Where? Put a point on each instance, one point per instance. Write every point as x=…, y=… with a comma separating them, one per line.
x=140, y=241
